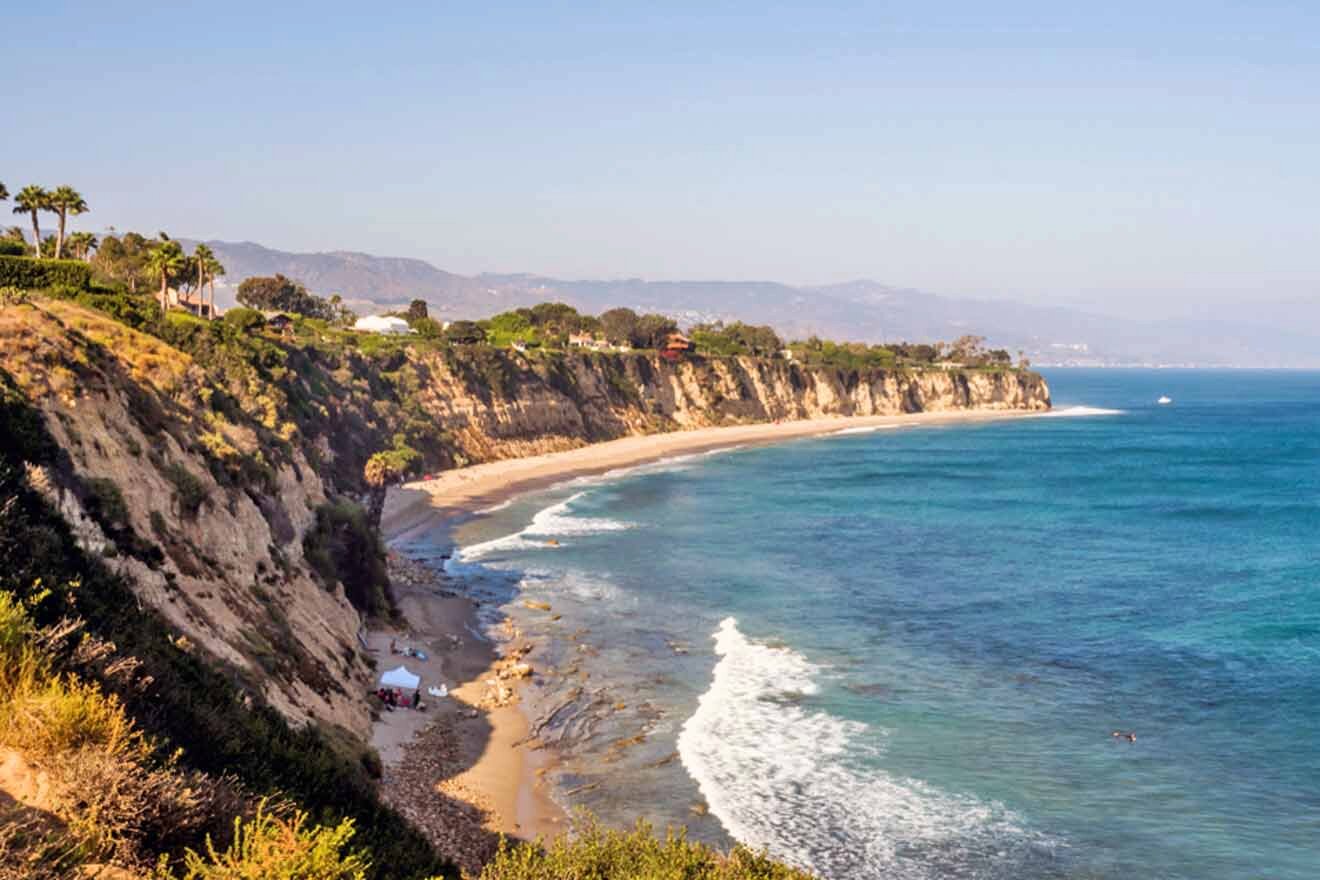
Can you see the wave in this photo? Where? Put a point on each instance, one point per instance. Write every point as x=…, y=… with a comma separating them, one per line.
x=794, y=781
x=869, y=429
x=552, y=522
x=1076, y=411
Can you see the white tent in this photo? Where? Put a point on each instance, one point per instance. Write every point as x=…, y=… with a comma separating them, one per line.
x=400, y=678
x=382, y=324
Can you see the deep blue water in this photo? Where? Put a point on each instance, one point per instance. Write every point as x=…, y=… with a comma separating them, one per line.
x=926, y=637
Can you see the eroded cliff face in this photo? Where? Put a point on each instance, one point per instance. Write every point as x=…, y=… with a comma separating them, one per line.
x=222, y=563
x=545, y=404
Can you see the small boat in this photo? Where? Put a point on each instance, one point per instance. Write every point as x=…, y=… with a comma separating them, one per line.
x=1164, y=399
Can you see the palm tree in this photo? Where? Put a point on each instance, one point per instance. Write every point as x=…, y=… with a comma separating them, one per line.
x=4, y=193
x=65, y=200
x=165, y=261
x=81, y=245
x=30, y=200
x=207, y=268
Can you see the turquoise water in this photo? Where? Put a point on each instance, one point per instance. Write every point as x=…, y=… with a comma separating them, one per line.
x=903, y=653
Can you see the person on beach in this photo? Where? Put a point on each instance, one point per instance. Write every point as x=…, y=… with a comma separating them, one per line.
x=417, y=699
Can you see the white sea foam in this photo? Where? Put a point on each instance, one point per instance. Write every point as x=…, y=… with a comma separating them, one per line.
x=794, y=781
x=577, y=584
x=494, y=508
x=553, y=522
x=1075, y=411
x=868, y=429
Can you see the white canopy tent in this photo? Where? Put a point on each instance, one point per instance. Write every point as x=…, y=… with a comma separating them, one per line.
x=400, y=678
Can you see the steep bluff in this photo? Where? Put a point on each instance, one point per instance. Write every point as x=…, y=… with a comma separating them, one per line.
x=531, y=405
x=200, y=468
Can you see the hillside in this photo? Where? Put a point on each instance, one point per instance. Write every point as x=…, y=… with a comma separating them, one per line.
x=866, y=311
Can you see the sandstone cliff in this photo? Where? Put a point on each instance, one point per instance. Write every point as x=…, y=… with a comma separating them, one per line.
x=542, y=404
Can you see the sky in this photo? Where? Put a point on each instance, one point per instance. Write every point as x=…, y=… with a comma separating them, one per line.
x=1138, y=158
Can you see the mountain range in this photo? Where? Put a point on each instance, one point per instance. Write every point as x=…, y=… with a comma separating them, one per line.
x=866, y=311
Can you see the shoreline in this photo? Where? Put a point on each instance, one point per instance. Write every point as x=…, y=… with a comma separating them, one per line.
x=460, y=770
x=468, y=772
x=463, y=492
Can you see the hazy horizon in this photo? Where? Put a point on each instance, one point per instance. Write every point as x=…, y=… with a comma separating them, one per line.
x=1125, y=161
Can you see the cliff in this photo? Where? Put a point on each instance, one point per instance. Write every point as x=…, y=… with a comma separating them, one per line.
x=523, y=406
x=212, y=466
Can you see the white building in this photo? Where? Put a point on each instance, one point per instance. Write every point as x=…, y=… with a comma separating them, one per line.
x=382, y=324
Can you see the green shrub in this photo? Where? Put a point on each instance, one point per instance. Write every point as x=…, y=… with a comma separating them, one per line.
x=595, y=852
x=273, y=848
x=244, y=319
x=341, y=546
x=12, y=248
x=31, y=273
x=105, y=503
x=189, y=490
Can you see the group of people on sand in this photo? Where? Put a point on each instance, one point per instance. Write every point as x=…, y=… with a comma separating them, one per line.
x=393, y=698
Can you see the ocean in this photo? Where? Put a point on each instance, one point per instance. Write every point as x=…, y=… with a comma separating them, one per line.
x=904, y=653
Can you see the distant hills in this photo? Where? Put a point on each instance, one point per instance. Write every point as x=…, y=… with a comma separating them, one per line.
x=859, y=310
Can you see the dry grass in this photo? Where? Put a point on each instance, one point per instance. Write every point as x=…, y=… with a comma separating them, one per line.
x=43, y=344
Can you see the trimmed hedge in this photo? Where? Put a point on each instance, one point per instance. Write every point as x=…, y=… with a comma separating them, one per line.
x=31, y=273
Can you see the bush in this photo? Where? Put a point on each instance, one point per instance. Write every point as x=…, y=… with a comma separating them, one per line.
x=189, y=490
x=12, y=248
x=268, y=846
x=244, y=319
x=31, y=273
x=341, y=546
x=636, y=855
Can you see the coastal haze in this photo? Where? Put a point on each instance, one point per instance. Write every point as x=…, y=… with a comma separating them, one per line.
x=1282, y=333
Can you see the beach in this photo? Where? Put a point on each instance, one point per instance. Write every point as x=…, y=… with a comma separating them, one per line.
x=465, y=770
x=464, y=491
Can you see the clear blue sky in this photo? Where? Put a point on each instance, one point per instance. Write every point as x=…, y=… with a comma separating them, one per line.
x=1134, y=155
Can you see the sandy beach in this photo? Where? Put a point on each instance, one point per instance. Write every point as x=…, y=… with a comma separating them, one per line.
x=464, y=491
x=459, y=769
x=463, y=770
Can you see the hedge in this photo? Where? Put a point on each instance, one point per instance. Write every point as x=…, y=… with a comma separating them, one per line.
x=29, y=273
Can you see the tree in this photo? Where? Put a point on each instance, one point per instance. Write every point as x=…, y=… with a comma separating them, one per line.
x=205, y=264
x=32, y=199
x=4, y=193
x=465, y=333
x=653, y=330
x=212, y=268
x=65, y=200
x=620, y=325
x=123, y=258
x=165, y=261
x=81, y=245
x=416, y=311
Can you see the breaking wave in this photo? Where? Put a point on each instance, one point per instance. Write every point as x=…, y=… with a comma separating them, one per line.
x=868, y=429
x=1074, y=411
x=552, y=523
x=793, y=780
